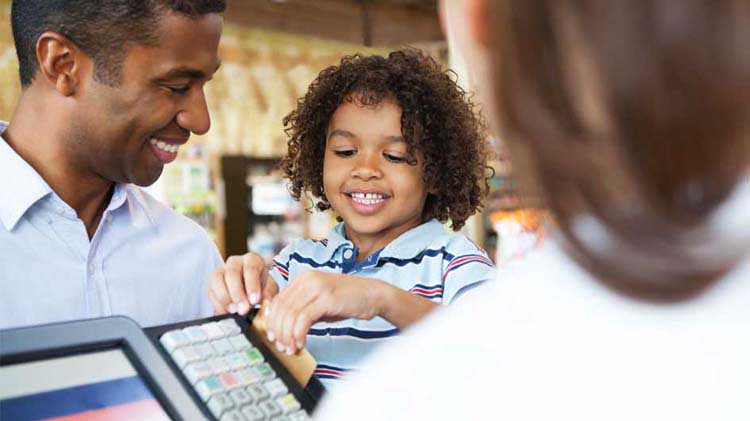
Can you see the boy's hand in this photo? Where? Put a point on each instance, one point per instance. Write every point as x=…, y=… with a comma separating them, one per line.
x=319, y=296
x=243, y=282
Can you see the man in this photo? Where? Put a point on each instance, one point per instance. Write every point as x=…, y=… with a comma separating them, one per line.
x=111, y=90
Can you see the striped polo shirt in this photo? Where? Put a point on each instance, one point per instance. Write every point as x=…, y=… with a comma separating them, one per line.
x=426, y=260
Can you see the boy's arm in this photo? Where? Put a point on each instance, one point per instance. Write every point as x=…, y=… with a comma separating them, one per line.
x=320, y=296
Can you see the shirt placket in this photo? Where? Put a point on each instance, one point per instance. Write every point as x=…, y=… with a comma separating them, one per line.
x=96, y=280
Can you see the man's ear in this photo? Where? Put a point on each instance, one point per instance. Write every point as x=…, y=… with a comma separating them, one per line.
x=60, y=62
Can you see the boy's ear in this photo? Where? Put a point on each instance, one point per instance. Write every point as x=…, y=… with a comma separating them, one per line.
x=61, y=62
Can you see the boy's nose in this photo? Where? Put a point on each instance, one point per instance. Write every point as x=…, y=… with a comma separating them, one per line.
x=366, y=170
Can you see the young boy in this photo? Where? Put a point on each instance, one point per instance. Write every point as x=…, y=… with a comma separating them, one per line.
x=393, y=147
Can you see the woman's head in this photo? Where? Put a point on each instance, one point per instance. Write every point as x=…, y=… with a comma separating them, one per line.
x=631, y=120
x=437, y=124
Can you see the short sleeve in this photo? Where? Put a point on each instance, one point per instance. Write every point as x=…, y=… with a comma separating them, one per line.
x=469, y=267
x=281, y=265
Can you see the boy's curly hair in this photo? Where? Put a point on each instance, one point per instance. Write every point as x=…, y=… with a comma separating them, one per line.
x=439, y=119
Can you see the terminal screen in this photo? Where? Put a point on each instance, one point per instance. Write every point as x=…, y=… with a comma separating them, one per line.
x=100, y=385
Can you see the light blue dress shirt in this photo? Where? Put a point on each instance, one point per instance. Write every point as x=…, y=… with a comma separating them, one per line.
x=145, y=261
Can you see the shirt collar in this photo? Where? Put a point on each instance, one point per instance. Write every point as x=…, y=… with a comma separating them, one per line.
x=19, y=196
x=22, y=186
x=406, y=245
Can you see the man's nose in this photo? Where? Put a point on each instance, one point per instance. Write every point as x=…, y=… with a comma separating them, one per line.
x=194, y=116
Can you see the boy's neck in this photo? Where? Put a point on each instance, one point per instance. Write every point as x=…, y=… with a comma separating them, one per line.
x=367, y=243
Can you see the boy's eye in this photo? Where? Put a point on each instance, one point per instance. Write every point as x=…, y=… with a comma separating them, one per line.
x=394, y=158
x=345, y=153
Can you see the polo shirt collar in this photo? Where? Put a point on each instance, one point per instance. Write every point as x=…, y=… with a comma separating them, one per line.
x=406, y=245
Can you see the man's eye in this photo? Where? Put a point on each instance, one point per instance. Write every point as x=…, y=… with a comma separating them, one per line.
x=180, y=90
x=345, y=153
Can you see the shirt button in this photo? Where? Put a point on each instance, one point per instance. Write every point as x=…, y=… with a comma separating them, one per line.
x=348, y=254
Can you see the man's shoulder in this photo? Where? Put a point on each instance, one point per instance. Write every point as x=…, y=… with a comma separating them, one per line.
x=163, y=216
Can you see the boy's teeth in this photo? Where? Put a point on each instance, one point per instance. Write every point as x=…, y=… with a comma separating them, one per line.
x=367, y=195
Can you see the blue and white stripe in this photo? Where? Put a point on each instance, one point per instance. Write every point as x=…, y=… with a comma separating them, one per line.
x=427, y=261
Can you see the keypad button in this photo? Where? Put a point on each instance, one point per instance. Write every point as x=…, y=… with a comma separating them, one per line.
x=240, y=397
x=229, y=380
x=254, y=356
x=239, y=342
x=298, y=416
x=247, y=376
x=253, y=413
x=218, y=365
x=195, y=334
x=270, y=408
x=208, y=387
x=219, y=404
x=205, y=350
x=264, y=371
x=184, y=356
x=173, y=340
x=276, y=388
x=288, y=403
x=233, y=416
x=258, y=392
x=229, y=326
x=222, y=346
x=197, y=371
x=213, y=331
x=237, y=361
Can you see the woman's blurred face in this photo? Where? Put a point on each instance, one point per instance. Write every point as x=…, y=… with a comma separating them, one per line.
x=464, y=23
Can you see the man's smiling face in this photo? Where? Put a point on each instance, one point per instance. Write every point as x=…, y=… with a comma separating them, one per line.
x=126, y=133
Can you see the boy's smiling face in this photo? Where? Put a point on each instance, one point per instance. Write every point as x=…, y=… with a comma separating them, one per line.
x=367, y=175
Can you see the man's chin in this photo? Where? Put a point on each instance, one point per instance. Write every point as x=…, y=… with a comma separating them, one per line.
x=147, y=178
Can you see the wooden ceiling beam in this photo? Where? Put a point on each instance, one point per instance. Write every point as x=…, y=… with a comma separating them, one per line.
x=375, y=22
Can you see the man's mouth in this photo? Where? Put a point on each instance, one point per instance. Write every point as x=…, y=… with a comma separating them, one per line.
x=165, y=151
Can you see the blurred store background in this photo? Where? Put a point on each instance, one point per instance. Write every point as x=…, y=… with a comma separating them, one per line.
x=227, y=180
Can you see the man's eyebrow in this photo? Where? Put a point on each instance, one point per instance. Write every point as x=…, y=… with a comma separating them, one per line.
x=186, y=73
x=342, y=133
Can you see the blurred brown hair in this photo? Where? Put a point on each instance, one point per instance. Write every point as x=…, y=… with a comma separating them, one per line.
x=631, y=119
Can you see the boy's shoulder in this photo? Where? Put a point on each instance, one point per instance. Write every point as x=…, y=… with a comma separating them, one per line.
x=307, y=248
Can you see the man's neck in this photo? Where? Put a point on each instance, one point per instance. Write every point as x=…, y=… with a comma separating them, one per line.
x=42, y=147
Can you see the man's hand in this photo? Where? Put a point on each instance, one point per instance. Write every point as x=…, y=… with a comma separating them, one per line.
x=243, y=282
x=319, y=296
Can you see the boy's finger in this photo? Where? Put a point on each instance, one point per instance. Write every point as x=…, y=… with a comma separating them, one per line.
x=218, y=291
x=270, y=289
x=219, y=308
x=306, y=318
x=235, y=284
x=254, y=272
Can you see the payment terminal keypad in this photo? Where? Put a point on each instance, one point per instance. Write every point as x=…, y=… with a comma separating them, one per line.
x=229, y=374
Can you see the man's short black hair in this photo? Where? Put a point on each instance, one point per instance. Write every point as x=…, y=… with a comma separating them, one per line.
x=102, y=28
